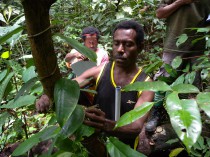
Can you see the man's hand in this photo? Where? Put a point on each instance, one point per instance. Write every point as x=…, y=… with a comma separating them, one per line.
x=96, y=118
x=80, y=56
x=43, y=104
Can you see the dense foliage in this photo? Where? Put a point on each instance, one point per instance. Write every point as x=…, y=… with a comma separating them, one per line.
x=20, y=85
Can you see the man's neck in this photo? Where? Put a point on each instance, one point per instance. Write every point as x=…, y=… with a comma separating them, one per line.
x=123, y=75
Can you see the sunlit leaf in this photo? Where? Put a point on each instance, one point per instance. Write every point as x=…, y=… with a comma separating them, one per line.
x=6, y=54
x=176, y=152
x=117, y=148
x=149, y=86
x=185, y=118
x=203, y=100
x=134, y=114
x=66, y=95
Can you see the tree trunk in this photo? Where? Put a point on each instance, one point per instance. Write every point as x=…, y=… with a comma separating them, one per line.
x=39, y=32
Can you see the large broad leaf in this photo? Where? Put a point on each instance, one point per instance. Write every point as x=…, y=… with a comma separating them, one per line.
x=20, y=102
x=74, y=122
x=29, y=74
x=4, y=84
x=185, y=118
x=9, y=32
x=3, y=74
x=149, y=86
x=43, y=135
x=134, y=114
x=66, y=95
x=185, y=88
x=118, y=149
x=26, y=87
x=203, y=100
x=79, y=47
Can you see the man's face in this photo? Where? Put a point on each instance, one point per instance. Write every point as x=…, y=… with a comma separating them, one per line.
x=91, y=42
x=125, y=49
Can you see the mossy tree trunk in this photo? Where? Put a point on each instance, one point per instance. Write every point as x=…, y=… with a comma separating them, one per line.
x=39, y=32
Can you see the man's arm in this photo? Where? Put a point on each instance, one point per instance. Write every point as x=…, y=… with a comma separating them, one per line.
x=89, y=75
x=43, y=103
x=96, y=118
x=165, y=11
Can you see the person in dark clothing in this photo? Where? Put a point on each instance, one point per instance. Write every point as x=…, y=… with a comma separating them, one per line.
x=181, y=16
x=128, y=39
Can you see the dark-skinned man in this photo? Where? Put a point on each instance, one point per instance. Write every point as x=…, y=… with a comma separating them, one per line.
x=128, y=37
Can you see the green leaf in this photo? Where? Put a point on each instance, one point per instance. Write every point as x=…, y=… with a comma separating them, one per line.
x=116, y=148
x=203, y=30
x=179, y=80
x=6, y=54
x=204, y=73
x=4, y=84
x=176, y=152
x=185, y=118
x=66, y=95
x=79, y=47
x=149, y=86
x=190, y=77
x=170, y=70
x=153, y=66
x=177, y=61
x=3, y=117
x=73, y=123
x=66, y=154
x=181, y=39
x=26, y=87
x=3, y=74
x=20, y=102
x=134, y=114
x=82, y=131
x=45, y=134
x=29, y=74
x=203, y=100
x=10, y=31
x=185, y=88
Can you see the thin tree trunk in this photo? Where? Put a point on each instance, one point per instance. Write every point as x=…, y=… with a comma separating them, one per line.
x=39, y=32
